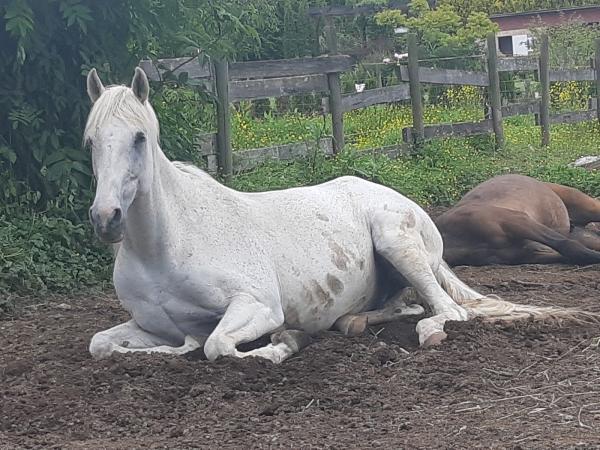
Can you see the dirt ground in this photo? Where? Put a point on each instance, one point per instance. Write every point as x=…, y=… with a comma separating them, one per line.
x=526, y=385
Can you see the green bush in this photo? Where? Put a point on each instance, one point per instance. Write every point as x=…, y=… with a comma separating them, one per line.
x=39, y=253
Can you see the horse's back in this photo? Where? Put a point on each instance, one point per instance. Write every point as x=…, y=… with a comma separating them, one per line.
x=516, y=193
x=319, y=238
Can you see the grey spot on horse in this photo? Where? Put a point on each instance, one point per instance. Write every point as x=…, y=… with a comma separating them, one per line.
x=322, y=296
x=338, y=257
x=292, y=317
x=410, y=220
x=361, y=264
x=335, y=284
x=322, y=217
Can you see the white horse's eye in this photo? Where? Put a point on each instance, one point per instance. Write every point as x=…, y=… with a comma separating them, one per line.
x=139, y=138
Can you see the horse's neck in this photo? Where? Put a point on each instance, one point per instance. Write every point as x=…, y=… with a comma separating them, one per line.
x=154, y=220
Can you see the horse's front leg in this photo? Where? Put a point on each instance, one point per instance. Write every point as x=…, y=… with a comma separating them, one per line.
x=130, y=338
x=247, y=319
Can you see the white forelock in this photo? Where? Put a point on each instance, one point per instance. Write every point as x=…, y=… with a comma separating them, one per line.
x=119, y=102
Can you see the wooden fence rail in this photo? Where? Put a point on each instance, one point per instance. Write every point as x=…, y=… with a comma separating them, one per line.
x=237, y=81
x=448, y=77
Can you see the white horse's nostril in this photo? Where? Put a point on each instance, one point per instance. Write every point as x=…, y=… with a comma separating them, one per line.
x=116, y=217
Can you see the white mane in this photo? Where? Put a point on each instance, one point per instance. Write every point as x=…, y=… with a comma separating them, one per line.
x=119, y=102
x=189, y=168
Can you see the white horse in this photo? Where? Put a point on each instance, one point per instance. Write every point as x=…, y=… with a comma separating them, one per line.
x=201, y=263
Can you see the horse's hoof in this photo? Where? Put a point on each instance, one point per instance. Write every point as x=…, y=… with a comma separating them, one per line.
x=101, y=347
x=410, y=310
x=190, y=344
x=351, y=325
x=435, y=339
x=294, y=339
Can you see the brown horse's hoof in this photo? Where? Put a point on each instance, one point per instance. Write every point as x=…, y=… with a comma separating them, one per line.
x=435, y=339
x=351, y=325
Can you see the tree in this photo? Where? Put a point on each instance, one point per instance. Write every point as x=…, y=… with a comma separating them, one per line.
x=441, y=31
x=47, y=47
x=467, y=7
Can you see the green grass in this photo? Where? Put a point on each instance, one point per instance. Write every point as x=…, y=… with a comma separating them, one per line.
x=376, y=126
x=446, y=168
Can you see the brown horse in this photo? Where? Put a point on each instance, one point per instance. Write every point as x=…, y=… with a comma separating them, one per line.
x=514, y=219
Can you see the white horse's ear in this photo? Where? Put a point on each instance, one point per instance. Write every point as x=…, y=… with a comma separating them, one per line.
x=95, y=88
x=139, y=85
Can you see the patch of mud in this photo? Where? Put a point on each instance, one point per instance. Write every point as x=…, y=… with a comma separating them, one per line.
x=525, y=385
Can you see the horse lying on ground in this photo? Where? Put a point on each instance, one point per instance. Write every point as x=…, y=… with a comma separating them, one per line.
x=514, y=219
x=199, y=263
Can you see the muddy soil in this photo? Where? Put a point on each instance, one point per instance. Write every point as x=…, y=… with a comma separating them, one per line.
x=525, y=385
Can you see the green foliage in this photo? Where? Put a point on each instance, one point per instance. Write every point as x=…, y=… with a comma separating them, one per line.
x=569, y=95
x=571, y=44
x=364, y=128
x=183, y=114
x=467, y=7
x=47, y=47
x=40, y=253
x=442, y=31
x=390, y=18
x=250, y=132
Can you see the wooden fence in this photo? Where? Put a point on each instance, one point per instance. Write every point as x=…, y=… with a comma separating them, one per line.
x=235, y=81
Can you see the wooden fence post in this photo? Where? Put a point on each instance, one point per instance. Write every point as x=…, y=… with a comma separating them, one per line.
x=337, y=113
x=335, y=89
x=544, y=77
x=330, y=36
x=416, y=100
x=597, y=75
x=224, y=153
x=494, y=93
x=316, y=45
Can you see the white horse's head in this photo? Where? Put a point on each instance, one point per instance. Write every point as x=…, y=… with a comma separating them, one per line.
x=122, y=133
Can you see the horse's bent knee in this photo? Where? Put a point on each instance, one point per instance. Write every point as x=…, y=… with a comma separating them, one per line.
x=216, y=346
x=101, y=346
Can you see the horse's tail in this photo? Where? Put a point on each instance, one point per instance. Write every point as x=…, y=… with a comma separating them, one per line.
x=495, y=309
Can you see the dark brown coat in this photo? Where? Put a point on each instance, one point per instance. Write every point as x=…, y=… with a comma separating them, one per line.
x=514, y=219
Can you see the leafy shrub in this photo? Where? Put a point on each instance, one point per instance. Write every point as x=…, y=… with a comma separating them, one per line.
x=183, y=113
x=39, y=253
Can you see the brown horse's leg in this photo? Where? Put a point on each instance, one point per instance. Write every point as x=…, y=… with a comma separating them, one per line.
x=582, y=208
x=536, y=253
x=587, y=238
x=520, y=226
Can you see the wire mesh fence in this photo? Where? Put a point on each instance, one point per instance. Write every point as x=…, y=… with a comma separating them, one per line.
x=305, y=118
